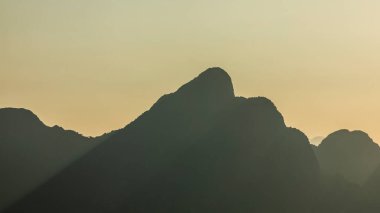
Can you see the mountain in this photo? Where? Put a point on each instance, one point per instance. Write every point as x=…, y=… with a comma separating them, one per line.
x=199, y=149
x=31, y=152
x=370, y=194
x=352, y=155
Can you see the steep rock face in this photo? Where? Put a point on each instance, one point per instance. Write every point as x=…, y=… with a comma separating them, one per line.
x=199, y=149
x=31, y=152
x=352, y=155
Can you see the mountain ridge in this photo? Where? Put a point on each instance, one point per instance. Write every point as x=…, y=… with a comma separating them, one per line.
x=194, y=148
x=32, y=152
x=203, y=149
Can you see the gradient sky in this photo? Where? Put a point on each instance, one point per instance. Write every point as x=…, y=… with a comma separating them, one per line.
x=94, y=66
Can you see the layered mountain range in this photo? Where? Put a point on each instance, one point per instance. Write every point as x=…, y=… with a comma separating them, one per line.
x=199, y=149
x=31, y=152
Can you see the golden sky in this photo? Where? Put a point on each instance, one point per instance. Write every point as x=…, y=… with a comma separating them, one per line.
x=93, y=66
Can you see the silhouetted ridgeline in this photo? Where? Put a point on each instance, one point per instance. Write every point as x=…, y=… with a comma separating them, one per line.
x=202, y=149
x=199, y=149
x=31, y=152
x=352, y=155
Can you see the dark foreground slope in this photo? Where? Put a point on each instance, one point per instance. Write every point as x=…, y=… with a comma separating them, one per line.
x=352, y=155
x=200, y=149
x=31, y=152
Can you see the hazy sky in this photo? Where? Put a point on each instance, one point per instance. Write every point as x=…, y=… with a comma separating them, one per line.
x=94, y=66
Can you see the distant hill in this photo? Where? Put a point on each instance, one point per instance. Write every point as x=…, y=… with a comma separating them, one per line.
x=316, y=140
x=31, y=152
x=199, y=149
x=352, y=155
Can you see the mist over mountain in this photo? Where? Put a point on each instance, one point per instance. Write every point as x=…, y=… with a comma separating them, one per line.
x=31, y=152
x=199, y=149
x=352, y=155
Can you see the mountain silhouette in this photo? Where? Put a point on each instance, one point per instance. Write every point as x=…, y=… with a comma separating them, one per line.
x=352, y=155
x=199, y=149
x=31, y=152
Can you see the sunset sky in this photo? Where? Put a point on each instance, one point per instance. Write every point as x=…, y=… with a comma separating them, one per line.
x=94, y=66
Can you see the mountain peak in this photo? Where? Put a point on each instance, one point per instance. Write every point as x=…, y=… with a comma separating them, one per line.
x=215, y=72
x=20, y=116
x=348, y=137
x=214, y=83
x=352, y=154
x=210, y=90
